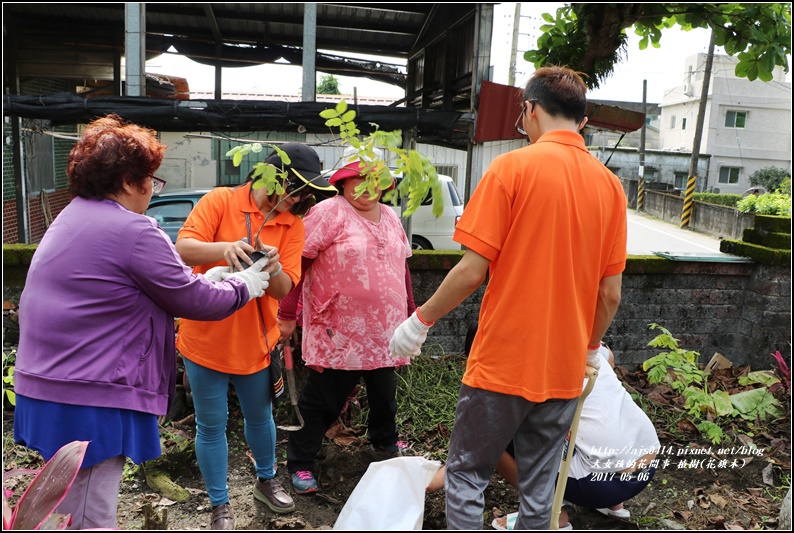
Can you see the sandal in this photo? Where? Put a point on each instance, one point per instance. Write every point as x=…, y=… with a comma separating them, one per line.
x=618, y=513
x=505, y=522
x=509, y=523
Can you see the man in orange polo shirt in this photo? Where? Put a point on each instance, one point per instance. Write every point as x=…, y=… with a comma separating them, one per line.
x=548, y=222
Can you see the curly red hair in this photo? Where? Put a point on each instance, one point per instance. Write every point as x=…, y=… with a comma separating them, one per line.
x=109, y=154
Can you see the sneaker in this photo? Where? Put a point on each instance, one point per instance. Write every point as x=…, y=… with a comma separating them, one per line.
x=222, y=517
x=303, y=482
x=397, y=449
x=271, y=493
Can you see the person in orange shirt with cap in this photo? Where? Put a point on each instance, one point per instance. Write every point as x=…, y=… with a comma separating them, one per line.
x=222, y=231
x=547, y=222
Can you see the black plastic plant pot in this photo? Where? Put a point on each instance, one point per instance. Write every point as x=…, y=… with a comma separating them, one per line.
x=255, y=256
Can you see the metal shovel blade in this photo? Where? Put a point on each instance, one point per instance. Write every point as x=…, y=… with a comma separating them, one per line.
x=293, y=392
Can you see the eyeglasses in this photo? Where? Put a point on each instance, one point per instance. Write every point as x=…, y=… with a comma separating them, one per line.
x=157, y=184
x=519, y=120
x=302, y=194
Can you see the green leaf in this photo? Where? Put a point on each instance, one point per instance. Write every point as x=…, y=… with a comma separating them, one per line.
x=285, y=159
x=333, y=122
x=256, y=148
x=385, y=181
x=329, y=113
x=721, y=402
x=233, y=151
x=341, y=107
x=713, y=431
x=237, y=158
x=349, y=116
x=755, y=403
x=267, y=173
x=762, y=377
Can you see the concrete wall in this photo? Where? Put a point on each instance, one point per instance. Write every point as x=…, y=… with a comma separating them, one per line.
x=188, y=162
x=715, y=220
x=662, y=167
x=740, y=310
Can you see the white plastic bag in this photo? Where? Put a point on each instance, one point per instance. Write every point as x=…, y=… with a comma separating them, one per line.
x=389, y=496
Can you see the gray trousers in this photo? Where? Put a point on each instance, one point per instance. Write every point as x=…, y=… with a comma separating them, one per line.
x=485, y=422
x=94, y=496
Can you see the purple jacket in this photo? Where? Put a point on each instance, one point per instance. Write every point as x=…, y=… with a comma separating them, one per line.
x=97, y=312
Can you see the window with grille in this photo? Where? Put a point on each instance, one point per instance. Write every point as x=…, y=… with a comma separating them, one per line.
x=448, y=170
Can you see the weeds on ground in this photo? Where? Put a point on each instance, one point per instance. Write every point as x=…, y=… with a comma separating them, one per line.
x=9, y=361
x=16, y=456
x=711, y=409
x=427, y=393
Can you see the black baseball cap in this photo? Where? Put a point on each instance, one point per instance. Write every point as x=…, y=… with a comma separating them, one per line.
x=304, y=165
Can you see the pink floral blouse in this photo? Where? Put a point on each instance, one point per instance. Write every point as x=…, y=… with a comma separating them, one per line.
x=354, y=294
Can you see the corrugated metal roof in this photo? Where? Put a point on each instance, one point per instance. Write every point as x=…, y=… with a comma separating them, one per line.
x=379, y=29
x=81, y=40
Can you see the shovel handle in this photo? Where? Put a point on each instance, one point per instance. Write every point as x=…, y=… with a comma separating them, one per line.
x=287, y=355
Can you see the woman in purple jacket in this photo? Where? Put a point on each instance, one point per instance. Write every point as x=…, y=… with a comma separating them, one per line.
x=96, y=359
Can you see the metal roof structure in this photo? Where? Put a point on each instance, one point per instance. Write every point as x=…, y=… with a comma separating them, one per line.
x=80, y=39
x=441, y=51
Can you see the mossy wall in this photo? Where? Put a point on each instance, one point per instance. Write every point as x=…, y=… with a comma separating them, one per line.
x=741, y=310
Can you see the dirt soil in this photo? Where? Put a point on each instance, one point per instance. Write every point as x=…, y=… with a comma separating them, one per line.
x=742, y=495
x=745, y=494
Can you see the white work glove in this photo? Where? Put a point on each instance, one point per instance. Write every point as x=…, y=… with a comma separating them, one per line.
x=256, y=282
x=594, y=359
x=408, y=338
x=216, y=273
x=255, y=279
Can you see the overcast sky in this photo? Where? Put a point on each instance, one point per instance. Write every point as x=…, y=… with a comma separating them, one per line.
x=663, y=68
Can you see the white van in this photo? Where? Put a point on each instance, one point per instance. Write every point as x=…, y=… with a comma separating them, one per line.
x=429, y=232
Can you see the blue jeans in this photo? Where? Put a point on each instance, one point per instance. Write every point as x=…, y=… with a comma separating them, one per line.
x=211, y=402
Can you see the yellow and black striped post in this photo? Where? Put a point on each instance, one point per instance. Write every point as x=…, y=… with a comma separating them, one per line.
x=689, y=197
x=640, y=193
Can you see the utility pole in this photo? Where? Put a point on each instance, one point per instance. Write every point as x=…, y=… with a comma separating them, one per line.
x=641, y=179
x=511, y=75
x=689, y=195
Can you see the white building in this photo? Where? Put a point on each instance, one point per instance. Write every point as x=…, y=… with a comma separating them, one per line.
x=747, y=125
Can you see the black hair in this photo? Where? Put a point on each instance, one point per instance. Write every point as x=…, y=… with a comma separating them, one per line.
x=560, y=91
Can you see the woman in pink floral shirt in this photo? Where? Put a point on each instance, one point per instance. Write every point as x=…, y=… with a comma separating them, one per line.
x=356, y=289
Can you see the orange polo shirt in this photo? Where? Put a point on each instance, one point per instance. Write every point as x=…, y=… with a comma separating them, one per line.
x=551, y=218
x=238, y=344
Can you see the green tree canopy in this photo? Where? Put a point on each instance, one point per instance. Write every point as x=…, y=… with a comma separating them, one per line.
x=592, y=37
x=328, y=85
x=770, y=178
